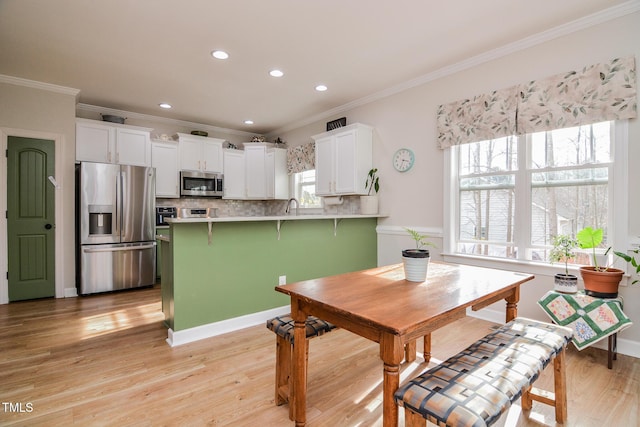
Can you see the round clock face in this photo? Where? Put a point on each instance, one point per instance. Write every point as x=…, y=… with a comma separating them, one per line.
x=403, y=159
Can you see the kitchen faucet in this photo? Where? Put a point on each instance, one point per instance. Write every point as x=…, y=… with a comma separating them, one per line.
x=293, y=199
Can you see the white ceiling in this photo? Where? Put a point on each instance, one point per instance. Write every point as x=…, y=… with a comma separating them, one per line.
x=133, y=54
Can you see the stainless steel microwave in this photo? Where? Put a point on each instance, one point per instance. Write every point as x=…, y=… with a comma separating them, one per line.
x=201, y=184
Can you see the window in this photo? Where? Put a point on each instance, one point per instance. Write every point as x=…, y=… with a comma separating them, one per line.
x=511, y=195
x=304, y=184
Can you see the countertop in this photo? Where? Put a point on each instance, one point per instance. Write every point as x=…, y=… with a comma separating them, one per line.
x=270, y=218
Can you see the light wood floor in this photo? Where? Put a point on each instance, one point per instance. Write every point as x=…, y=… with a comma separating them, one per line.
x=103, y=361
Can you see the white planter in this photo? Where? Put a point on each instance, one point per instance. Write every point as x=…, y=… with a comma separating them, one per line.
x=567, y=284
x=415, y=268
x=368, y=205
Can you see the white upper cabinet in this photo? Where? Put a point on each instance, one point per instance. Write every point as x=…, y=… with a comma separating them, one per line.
x=201, y=154
x=107, y=143
x=164, y=157
x=255, y=171
x=234, y=176
x=276, y=174
x=344, y=157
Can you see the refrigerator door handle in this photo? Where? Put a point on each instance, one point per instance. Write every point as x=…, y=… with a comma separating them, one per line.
x=120, y=248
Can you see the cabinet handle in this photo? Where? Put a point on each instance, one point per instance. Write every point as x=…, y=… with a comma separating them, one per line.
x=108, y=156
x=199, y=165
x=205, y=165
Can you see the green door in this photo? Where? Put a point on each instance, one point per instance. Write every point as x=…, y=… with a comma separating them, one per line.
x=30, y=218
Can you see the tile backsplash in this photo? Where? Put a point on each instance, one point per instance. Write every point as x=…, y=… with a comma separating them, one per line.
x=227, y=208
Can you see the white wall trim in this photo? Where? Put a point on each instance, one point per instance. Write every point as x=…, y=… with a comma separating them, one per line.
x=60, y=232
x=397, y=230
x=38, y=85
x=157, y=119
x=225, y=326
x=611, y=13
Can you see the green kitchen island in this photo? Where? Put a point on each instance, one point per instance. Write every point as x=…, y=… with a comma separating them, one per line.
x=219, y=274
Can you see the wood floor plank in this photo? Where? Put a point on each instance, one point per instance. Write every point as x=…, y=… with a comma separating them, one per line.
x=103, y=361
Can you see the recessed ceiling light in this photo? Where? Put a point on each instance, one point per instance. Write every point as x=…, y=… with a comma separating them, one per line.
x=248, y=122
x=164, y=105
x=321, y=88
x=219, y=54
x=276, y=73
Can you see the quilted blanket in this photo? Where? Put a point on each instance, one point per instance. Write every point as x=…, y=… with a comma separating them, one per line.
x=591, y=319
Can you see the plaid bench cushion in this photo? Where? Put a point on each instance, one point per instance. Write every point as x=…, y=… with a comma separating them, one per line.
x=474, y=387
x=283, y=326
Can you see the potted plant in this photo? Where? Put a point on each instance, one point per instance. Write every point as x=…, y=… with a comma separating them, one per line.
x=631, y=260
x=369, y=203
x=599, y=281
x=416, y=261
x=562, y=251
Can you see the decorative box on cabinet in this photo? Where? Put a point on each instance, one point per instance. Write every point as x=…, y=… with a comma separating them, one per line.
x=199, y=153
x=344, y=157
x=164, y=157
x=107, y=143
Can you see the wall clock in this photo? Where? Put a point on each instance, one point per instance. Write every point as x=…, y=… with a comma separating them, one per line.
x=403, y=159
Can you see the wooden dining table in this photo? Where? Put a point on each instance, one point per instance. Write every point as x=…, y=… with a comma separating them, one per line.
x=380, y=305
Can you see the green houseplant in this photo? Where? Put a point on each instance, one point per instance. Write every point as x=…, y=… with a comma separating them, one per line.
x=416, y=260
x=562, y=251
x=369, y=202
x=599, y=280
x=631, y=259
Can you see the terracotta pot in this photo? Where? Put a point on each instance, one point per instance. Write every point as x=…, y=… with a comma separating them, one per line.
x=601, y=284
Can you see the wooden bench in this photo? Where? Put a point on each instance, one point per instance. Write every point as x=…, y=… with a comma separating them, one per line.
x=474, y=387
x=282, y=326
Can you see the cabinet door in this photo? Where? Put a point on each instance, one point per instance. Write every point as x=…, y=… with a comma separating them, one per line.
x=164, y=157
x=95, y=143
x=255, y=172
x=324, y=166
x=133, y=147
x=212, y=153
x=345, y=164
x=190, y=155
x=234, y=185
x=276, y=174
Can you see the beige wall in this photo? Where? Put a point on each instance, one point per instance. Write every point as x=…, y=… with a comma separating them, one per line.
x=43, y=113
x=407, y=119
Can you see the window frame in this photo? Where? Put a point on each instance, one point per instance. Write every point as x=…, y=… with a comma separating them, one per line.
x=618, y=205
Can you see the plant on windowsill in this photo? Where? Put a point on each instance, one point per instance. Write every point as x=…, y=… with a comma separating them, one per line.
x=599, y=281
x=562, y=251
x=416, y=261
x=631, y=260
x=369, y=203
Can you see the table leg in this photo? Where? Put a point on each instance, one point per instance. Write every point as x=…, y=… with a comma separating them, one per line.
x=512, y=304
x=298, y=397
x=391, y=353
x=612, y=350
x=426, y=351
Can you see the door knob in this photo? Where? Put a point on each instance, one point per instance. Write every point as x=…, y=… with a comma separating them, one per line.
x=48, y=226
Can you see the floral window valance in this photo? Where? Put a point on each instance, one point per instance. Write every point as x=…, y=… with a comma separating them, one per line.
x=596, y=93
x=301, y=158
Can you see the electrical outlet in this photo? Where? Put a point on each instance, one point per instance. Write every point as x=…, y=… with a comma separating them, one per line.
x=282, y=280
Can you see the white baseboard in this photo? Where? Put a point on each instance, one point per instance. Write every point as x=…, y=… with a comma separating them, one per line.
x=626, y=347
x=70, y=292
x=225, y=326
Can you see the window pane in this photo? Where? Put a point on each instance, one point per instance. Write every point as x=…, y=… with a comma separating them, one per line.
x=488, y=156
x=487, y=215
x=571, y=146
x=567, y=209
x=305, y=189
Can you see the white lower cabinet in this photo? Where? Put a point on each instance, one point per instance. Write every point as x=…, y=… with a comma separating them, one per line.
x=164, y=157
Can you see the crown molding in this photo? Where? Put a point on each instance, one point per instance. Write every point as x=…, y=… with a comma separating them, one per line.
x=158, y=119
x=588, y=21
x=17, y=81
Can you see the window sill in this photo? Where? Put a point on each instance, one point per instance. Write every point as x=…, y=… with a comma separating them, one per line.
x=532, y=267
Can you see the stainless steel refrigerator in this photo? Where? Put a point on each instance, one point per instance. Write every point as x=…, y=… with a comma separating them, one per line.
x=115, y=226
